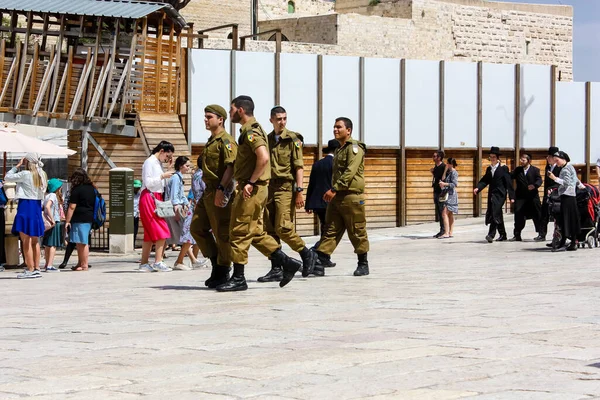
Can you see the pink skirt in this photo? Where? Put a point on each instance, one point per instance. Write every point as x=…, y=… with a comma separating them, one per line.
x=155, y=228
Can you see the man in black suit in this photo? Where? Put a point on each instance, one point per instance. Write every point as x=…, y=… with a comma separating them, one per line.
x=498, y=178
x=438, y=172
x=548, y=185
x=319, y=183
x=527, y=198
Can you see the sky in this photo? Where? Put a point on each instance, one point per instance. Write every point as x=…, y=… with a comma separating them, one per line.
x=586, y=39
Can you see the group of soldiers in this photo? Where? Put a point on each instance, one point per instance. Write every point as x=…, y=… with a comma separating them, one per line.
x=268, y=172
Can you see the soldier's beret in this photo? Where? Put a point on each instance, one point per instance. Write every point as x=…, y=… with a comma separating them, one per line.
x=217, y=110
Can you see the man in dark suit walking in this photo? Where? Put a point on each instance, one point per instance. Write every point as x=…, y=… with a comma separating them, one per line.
x=497, y=177
x=527, y=198
x=319, y=183
x=548, y=184
x=438, y=172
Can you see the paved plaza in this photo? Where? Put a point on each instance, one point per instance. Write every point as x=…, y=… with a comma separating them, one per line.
x=436, y=319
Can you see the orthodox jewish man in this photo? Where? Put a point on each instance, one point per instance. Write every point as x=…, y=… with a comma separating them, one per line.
x=527, y=201
x=549, y=184
x=498, y=178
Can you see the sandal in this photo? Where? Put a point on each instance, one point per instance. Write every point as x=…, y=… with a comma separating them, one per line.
x=76, y=268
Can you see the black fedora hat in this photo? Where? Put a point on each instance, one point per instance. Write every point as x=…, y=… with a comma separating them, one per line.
x=553, y=150
x=331, y=146
x=495, y=150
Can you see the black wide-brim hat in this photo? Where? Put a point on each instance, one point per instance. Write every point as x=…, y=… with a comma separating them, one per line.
x=563, y=155
x=553, y=150
x=495, y=150
x=331, y=146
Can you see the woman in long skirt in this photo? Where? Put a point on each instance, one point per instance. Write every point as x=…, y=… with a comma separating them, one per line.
x=156, y=230
x=449, y=183
x=568, y=221
x=29, y=224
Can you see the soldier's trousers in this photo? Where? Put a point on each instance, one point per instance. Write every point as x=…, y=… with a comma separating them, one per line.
x=346, y=212
x=279, y=215
x=209, y=217
x=247, y=226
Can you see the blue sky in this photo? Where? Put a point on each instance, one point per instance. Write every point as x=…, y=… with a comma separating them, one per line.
x=586, y=40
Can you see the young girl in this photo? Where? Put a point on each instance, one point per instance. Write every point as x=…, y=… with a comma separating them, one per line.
x=53, y=236
x=29, y=224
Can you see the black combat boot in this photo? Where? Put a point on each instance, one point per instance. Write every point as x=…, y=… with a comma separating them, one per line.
x=289, y=264
x=309, y=259
x=325, y=262
x=221, y=276
x=319, y=270
x=237, y=282
x=213, y=272
x=363, y=265
x=274, y=275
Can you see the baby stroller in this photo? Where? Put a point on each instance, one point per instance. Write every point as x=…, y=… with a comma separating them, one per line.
x=588, y=204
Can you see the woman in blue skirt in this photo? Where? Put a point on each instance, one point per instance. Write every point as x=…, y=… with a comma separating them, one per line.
x=29, y=224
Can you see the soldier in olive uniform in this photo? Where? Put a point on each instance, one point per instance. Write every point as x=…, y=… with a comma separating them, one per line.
x=287, y=167
x=252, y=172
x=346, y=209
x=213, y=212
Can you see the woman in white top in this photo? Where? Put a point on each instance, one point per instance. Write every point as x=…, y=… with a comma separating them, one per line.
x=29, y=224
x=156, y=230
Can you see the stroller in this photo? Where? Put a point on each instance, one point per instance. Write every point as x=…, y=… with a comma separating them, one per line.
x=588, y=204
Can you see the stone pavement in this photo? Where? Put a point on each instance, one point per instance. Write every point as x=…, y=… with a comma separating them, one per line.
x=436, y=319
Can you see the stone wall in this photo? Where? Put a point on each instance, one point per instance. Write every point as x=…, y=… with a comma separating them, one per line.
x=385, y=8
x=321, y=29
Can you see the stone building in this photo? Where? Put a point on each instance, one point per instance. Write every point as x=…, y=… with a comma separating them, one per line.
x=469, y=30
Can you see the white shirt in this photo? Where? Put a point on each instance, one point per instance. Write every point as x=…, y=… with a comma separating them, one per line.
x=151, y=172
x=494, y=168
x=55, y=206
x=525, y=170
x=25, y=189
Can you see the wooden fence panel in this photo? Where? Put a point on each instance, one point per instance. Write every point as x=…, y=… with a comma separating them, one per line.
x=381, y=168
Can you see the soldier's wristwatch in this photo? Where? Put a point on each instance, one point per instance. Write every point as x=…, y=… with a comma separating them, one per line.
x=299, y=189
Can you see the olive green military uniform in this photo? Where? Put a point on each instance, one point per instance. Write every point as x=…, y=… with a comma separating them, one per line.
x=220, y=152
x=286, y=158
x=347, y=209
x=246, y=227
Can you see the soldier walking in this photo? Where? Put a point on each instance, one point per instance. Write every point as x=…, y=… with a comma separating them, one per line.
x=252, y=172
x=287, y=168
x=346, y=209
x=213, y=212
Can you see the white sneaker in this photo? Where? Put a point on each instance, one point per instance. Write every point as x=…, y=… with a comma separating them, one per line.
x=51, y=268
x=145, y=268
x=161, y=267
x=182, y=267
x=201, y=263
x=29, y=275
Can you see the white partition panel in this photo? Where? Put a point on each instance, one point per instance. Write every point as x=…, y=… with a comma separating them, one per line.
x=422, y=103
x=595, y=124
x=341, y=93
x=255, y=77
x=209, y=83
x=382, y=102
x=535, y=106
x=570, y=119
x=299, y=93
x=498, y=105
x=460, y=105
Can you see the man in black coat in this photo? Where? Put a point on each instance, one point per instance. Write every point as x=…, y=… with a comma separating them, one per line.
x=498, y=178
x=438, y=172
x=548, y=185
x=319, y=183
x=527, y=198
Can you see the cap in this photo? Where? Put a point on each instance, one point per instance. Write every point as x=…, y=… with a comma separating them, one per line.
x=137, y=183
x=217, y=110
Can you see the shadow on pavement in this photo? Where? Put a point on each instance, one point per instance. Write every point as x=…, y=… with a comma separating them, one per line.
x=135, y=271
x=171, y=287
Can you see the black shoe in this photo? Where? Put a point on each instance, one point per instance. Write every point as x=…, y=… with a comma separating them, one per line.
x=325, y=263
x=309, y=259
x=290, y=266
x=319, y=270
x=213, y=272
x=235, y=284
x=515, y=239
x=221, y=277
x=437, y=235
x=572, y=246
x=559, y=249
x=539, y=238
x=489, y=238
x=62, y=266
x=362, y=269
x=549, y=245
x=274, y=275
x=502, y=238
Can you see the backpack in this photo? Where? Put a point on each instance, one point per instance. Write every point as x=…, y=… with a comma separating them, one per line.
x=99, y=211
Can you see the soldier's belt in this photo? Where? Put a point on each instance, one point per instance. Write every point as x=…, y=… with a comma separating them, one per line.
x=280, y=181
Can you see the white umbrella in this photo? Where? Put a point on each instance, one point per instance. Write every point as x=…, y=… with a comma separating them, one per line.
x=12, y=141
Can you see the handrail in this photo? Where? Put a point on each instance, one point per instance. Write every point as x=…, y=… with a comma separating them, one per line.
x=234, y=35
x=255, y=35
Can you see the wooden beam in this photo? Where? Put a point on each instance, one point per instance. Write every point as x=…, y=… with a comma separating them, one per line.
x=127, y=71
x=99, y=89
x=2, y=57
x=60, y=87
x=21, y=94
x=14, y=17
x=159, y=35
x=33, y=90
x=143, y=62
x=8, y=79
x=16, y=73
x=85, y=135
x=402, y=178
x=171, y=69
x=90, y=87
x=82, y=82
x=45, y=32
x=113, y=54
x=45, y=83
x=24, y=56
x=69, y=79
x=101, y=151
x=59, y=55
